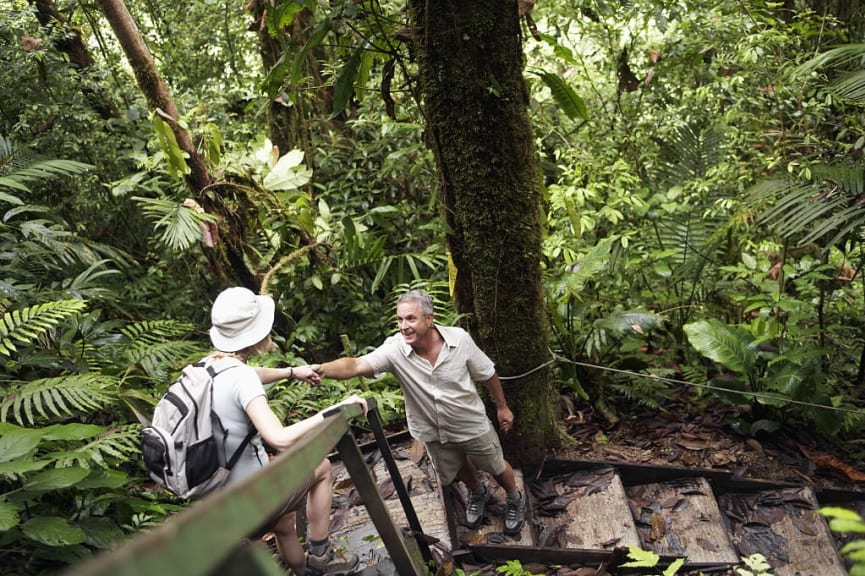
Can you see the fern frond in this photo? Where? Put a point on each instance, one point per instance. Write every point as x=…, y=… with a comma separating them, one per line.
x=158, y=359
x=58, y=397
x=118, y=446
x=152, y=331
x=27, y=324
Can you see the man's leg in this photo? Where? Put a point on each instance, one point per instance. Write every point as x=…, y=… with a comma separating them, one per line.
x=506, y=479
x=515, y=504
x=468, y=475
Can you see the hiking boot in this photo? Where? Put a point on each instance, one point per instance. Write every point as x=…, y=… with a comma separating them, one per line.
x=475, y=506
x=515, y=512
x=331, y=563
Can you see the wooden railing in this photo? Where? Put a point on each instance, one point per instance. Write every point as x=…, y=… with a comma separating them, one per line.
x=209, y=536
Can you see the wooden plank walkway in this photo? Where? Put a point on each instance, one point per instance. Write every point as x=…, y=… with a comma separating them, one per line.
x=786, y=527
x=587, y=514
x=681, y=518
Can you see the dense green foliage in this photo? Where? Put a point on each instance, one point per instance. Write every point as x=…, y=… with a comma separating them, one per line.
x=703, y=172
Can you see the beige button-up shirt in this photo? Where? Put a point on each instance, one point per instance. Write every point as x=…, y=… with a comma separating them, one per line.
x=441, y=401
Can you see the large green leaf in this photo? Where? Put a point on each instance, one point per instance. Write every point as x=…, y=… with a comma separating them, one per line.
x=289, y=173
x=53, y=531
x=344, y=87
x=103, y=478
x=73, y=431
x=55, y=479
x=8, y=516
x=18, y=443
x=723, y=344
x=21, y=466
x=566, y=97
x=101, y=533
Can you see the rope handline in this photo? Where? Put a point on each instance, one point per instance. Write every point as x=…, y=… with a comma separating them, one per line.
x=757, y=395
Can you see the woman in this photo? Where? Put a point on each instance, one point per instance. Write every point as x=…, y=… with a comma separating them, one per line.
x=241, y=325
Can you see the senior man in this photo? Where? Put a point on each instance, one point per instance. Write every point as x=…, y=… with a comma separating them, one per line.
x=437, y=367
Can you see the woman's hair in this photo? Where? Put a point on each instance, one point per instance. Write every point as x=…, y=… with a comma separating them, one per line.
x=263, y=346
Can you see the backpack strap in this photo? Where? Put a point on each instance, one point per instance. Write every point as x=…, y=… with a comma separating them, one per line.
x=236, y=456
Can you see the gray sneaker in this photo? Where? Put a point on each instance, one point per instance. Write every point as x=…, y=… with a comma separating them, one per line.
x=331, y=563
x=475, y=507
x=515, y=512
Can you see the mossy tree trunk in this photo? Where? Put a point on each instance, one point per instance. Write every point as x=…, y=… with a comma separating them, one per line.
x=474, y=99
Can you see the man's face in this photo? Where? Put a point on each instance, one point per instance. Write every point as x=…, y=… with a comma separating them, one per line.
x=412, y=323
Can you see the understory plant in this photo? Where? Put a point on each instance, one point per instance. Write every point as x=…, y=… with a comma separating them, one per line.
x=849, y=522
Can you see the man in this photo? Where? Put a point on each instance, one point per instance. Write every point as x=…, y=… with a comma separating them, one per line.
x=437, y=367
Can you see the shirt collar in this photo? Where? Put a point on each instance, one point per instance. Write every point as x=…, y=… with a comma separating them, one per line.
x=448, y=339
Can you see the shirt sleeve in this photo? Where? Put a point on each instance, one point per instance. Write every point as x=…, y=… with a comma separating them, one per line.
x=381, y=358
x=248, y=386
x=481, y=366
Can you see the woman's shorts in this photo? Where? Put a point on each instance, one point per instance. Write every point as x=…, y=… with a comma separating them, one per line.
x=485, y=452
x=296, y=500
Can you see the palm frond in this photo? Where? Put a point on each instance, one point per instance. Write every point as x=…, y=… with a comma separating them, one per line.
x=20, y=179
x=27, y=324
x=181, y=226
x=58, y=397
x=840, y=56
x=850, y=86
x=827, y=209
x=688, y=153
x=849, y=61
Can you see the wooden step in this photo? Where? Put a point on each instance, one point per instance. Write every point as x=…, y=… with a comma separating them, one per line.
x=352, y=527
x=595, y=516
x=681, y=518
x=783, y=525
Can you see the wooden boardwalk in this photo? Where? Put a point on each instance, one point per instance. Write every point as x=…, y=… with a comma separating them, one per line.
x=587, y=514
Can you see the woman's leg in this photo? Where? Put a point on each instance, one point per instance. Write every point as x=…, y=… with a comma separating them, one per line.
x=288, y=544
x=318, y=502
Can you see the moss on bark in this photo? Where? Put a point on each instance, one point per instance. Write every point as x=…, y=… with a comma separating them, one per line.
x=474, y=97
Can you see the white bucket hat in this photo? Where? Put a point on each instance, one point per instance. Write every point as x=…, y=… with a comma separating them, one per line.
x=240, y=319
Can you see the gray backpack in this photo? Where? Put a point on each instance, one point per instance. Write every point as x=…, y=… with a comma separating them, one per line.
x=180, y=448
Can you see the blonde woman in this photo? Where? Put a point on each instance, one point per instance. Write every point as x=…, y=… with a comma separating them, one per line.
x=241, y=325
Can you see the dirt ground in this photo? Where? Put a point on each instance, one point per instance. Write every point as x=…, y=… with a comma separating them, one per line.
x=686, y=434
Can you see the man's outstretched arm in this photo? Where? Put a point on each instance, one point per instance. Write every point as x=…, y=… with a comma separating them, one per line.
x=344, y=368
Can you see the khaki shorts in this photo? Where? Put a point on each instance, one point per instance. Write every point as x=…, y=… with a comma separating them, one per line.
x=485, y=452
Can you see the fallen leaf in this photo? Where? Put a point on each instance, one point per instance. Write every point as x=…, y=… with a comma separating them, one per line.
x=826, y=461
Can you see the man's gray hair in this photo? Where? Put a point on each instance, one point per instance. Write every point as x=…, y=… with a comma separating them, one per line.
x=421, y=297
